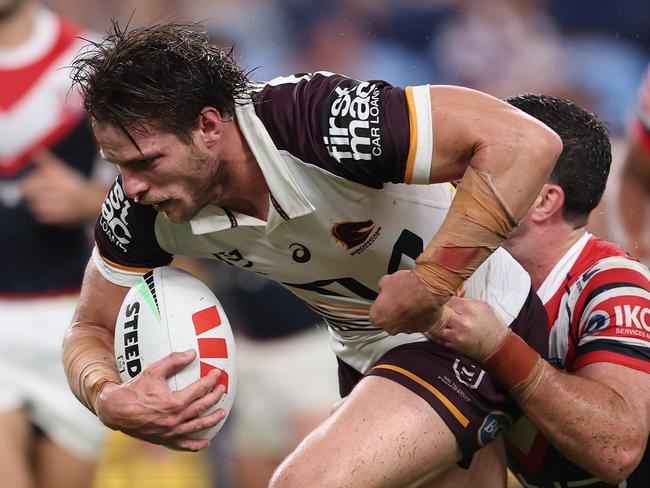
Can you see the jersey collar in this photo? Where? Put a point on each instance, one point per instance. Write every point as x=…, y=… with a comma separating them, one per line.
x=558, y=274
x=286, y=201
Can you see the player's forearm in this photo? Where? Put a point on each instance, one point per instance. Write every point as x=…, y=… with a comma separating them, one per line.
x=497, y=189
x=518, y=162
x=588, y=422
x=88, y=360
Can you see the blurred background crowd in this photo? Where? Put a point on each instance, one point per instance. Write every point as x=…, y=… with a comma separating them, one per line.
x=593, y=52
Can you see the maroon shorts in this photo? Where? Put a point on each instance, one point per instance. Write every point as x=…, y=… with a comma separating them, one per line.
x=474, y=408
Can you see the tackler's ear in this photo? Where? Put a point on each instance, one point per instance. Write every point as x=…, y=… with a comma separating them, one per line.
x=210, y=125
x=548, y=203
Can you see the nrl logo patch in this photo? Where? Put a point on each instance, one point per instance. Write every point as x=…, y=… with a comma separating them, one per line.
x=468, y=374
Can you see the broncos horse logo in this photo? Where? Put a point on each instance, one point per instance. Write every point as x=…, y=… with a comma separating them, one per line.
x=352, y=234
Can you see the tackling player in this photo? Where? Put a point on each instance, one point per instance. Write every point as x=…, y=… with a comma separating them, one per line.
x=298, y=180
x=588, y=420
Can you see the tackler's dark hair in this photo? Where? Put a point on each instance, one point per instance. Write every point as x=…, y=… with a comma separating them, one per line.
x=583, y=167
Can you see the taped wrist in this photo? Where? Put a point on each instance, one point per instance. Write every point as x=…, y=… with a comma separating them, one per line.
x=515, y=366
x=89, y=363
x=523, y=391
x=476, y=224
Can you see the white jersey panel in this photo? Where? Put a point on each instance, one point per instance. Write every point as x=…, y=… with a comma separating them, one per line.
x=502, y=282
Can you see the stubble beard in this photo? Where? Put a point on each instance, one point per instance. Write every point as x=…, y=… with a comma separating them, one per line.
x=200, y=189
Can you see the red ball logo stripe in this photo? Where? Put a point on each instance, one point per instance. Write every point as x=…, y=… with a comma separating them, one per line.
x=223, y=379
x=206, y=319
x=213, y=348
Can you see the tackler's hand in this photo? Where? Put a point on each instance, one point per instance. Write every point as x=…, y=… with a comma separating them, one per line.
x=404, y=304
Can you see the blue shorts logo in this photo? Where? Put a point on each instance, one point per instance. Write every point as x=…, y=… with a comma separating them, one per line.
x=495, y=424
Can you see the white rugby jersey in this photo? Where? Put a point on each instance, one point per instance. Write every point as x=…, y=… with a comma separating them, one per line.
x=598, y=302
x=335, y=153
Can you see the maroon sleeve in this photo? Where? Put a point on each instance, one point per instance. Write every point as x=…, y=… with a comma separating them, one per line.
x=124, y=232
x=355, y=129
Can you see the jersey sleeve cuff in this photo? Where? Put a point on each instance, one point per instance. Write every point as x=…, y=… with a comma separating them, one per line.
x=116, y=273
x=612, y=358
x=418, y=163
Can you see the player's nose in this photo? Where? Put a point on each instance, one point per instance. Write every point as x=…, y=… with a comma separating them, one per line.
x=135, y=185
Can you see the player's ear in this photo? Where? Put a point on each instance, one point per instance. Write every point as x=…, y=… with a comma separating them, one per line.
x=210, y=125
x=548, y=203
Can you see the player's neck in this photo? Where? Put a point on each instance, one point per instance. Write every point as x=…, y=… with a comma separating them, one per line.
x=542, y=247
x=18, y=26
x=252, y=195
x=247, y=191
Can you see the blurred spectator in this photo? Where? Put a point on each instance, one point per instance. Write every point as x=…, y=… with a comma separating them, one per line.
x=503, y=47
x=258, y=29
x=339, y=44
x=93, y=15
x=506, y=47
x=625, y=19
x=635, y=180
x=286, y=375
x=607, y=69
x=47, y=438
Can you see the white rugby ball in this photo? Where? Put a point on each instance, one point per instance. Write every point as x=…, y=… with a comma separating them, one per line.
x=169, y=310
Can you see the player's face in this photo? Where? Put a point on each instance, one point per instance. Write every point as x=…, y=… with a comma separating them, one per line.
x=175, y=177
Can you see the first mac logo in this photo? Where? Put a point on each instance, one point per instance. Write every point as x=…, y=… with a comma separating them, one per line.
x=131, y=359
x=351, y=122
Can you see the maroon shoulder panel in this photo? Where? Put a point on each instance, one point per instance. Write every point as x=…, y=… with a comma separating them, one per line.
x=124, y=232
x=355, y=129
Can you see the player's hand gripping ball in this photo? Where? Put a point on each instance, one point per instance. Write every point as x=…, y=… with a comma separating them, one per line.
x=169, y=310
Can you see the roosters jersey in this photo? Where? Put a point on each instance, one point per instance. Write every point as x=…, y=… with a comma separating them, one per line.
x=641, y=124
x=598, y=304
x=335, y=153
x=38, y=111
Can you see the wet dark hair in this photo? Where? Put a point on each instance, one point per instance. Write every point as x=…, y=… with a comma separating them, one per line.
x=582, y=168
x=163, y=74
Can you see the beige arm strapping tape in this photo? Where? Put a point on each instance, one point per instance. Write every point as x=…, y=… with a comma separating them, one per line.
x=523, y=391
x=89, y=361
x=477, y=222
